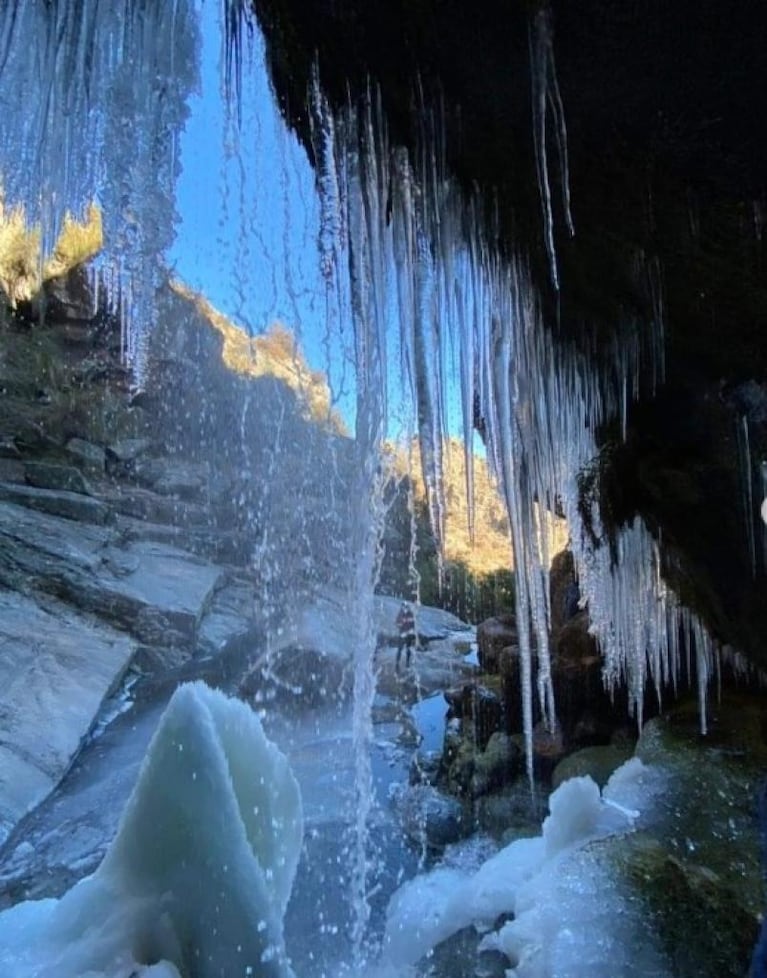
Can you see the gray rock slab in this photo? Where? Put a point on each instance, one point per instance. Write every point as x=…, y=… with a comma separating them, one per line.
x=56, y=669
x=46, y=475
x=432, y=624
x=221, y=546
x=90, y=457
x=11, y=469
x=158, y=593
x=143, y=504
x=231, y=618
x=70, y=505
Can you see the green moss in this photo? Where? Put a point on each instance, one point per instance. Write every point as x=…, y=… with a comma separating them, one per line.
x=697, y=865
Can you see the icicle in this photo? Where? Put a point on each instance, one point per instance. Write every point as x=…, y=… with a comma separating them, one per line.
x=763, y=512
x=747, y=485
x=93, y=95
x=418, y=255
x=545, y=92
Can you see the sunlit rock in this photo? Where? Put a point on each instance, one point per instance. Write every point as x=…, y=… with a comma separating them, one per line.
x=198, y=878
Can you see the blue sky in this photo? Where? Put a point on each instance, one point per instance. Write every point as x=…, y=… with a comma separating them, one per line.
x=249, y=214
x=249, y=226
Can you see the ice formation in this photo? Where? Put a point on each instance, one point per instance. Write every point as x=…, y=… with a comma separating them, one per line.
x=571, y=916
x=433, y=304
x=92, y=97
x=197, y=880
x=470, y=319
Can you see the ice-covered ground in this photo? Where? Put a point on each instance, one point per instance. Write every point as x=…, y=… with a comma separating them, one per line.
x=199, y=876
x=571, y=917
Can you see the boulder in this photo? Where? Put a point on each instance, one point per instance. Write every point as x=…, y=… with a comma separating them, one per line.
x=499, y=764
x=230, y=620
x=481, y=711
x=493, y=635
x=56, y=669
x=429, y=817
x=89, y=457
x=127, y=449
x=597, y=762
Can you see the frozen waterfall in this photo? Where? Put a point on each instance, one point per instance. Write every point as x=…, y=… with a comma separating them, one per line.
x=440, y=319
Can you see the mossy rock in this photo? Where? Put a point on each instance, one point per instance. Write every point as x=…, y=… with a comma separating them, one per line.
x=705, y=924
x=696, y=863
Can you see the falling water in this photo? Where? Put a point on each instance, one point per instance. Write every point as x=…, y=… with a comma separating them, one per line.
x=407, y=266
x=97, y=129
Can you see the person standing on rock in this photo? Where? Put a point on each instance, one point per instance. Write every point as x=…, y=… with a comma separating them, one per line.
x=407, y=634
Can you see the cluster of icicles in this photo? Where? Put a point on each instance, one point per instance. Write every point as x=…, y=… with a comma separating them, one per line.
x=93, y=95
x=425, y=279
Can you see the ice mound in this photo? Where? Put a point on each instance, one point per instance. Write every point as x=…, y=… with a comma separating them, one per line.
x=569, y=913
x=197, y=879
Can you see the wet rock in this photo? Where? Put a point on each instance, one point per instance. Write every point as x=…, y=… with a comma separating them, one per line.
x=45, y=475
x=89, y=457
x=548, y=749
x=493, y=635
x=460, y=955
x=70, y=297
x=158, y=593
x=186, y=480
x=597, y=762
x=127, y=449
x=230, y=620
x=470, y=771
x=8, y=448
x=303, y=675
x=512, y=812
x=430, y=817
x=220, y=545
x=11, y=470
x=481, y=711
x=425, y=767
x=150, y=506
x=696, y=864
x=70, y=505
x=172, y=477
x=55, y=671
x=499, y=763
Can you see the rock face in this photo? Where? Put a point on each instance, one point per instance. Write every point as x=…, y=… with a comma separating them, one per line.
x=156, y=592
x=56, y=669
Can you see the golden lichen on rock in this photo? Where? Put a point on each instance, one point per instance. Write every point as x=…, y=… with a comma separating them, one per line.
x=22, y=267
x=274, y=353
